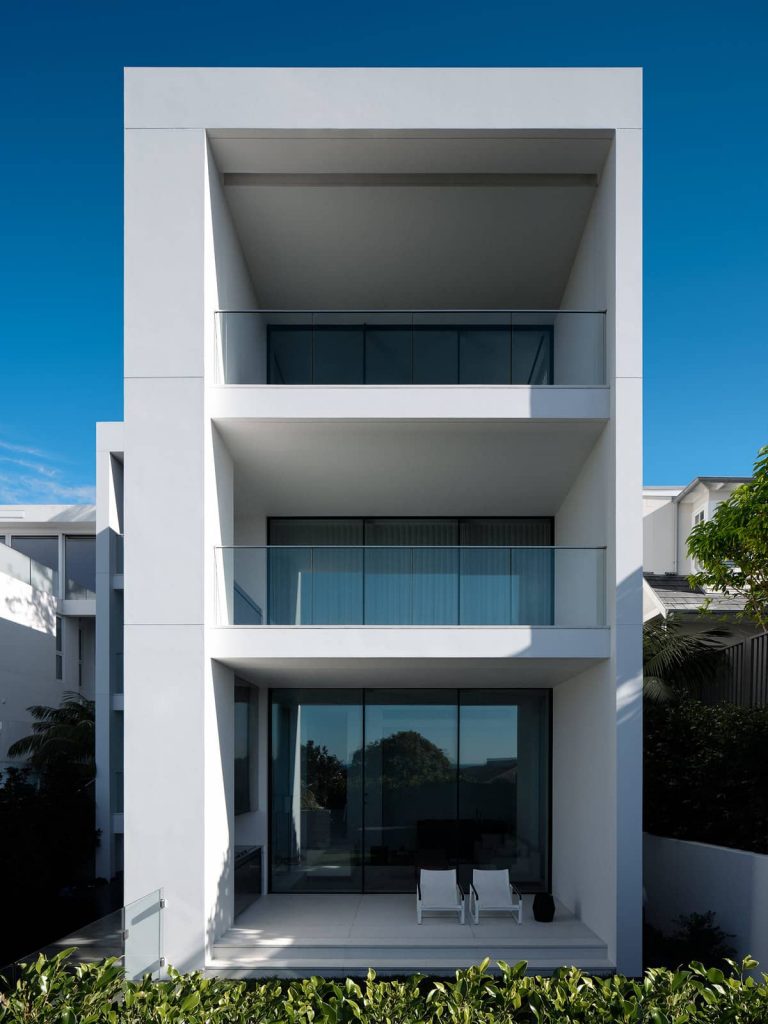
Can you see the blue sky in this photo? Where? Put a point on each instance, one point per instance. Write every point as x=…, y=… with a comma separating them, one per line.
x=706, y=200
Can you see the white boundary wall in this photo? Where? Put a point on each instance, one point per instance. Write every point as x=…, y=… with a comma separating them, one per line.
x=685, y=878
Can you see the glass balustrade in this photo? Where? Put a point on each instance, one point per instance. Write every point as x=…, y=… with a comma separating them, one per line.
x=133, y=934
x=21, y=567
x=481, y=347
x=417, y=585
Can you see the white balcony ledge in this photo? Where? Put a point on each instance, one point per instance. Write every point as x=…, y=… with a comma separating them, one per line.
x=409, y=402
x=417, y=655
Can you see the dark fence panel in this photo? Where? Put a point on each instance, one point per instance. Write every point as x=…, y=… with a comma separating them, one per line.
x=743, y=679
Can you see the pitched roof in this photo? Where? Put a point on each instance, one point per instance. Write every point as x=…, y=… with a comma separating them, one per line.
x=675, y=594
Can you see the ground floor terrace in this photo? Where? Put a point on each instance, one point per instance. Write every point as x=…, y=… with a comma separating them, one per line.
x=342, y=794
x=323, y=786
x=345, y=934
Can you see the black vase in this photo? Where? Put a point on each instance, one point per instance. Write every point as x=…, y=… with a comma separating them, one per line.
x=543, y=906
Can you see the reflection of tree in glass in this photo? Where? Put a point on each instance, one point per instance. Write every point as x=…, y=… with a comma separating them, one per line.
x=405, y=759
x=325, y=776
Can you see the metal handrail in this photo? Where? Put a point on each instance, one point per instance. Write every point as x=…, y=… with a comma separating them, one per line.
x=312, y=312
x=419, y=547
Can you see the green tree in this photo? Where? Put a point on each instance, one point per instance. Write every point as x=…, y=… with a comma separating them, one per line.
x=405, y=759
x=326, y=779
x=62, y=740
x=48, y=827
x=677, y=663
x=731, y=548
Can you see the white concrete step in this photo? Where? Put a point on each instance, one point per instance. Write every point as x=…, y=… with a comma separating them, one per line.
x=265, y=959
x=405, y=966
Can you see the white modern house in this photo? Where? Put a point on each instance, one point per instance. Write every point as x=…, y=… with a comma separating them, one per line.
x=382, y=511
x=47, y=612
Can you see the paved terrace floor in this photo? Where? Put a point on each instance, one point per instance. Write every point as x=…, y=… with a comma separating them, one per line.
x=297, y=935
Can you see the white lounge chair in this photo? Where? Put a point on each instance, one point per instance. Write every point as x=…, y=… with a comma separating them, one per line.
x=439, y=890
x=492, y=890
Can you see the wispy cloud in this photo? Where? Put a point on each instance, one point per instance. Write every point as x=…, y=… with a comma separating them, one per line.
x=35, y=476
x=36, y=467
x=21, y=449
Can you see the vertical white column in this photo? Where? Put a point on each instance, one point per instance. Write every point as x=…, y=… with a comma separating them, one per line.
x=627, y=627
x=164, y=531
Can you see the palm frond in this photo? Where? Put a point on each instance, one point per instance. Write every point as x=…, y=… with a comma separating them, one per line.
x=674, y=661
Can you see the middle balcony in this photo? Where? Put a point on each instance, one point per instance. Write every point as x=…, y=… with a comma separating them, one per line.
x=456, y=363
x=418, y=585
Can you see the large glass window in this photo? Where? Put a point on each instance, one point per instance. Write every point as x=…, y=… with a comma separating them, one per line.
x=80, y=567
x=316, y=791
x=436, y=355
x=44, y=550
x=421, y=354
x=369, y=786
x=504, y=784
x=411, y=748
x=484, y=356
x=338, y=355
x=414, y=571
x=242, y=749
x=290, y=355
x=388, y=355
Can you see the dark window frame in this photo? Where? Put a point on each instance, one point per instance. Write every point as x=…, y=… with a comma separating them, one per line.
x=364, y=691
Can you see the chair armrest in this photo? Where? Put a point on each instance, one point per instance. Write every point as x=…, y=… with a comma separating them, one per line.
x=459, y=891
x=515, y=892
x=474, y=890
x=418, y=889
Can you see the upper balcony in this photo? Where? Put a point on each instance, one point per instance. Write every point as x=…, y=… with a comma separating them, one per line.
x=484, y=364
x=533, y=614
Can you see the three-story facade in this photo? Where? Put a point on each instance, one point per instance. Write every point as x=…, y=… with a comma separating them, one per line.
x=382, y=498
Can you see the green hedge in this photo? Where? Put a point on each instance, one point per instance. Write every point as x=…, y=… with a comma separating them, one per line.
x=706, y=773
x=50, y=992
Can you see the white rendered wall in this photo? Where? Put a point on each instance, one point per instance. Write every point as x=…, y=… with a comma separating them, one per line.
x=27, y=659
x=583, y=789
x=177, y=246
x=607, y=273
x=227, y=285
x=28, y=622
x=183, y=262
x=326, y=99
x=659, y=533
x=684, y=878
x=164, y=665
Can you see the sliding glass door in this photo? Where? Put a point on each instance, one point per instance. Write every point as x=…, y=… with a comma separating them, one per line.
x=411, y=751
x=368, y=786
x=316, y=791
x=503, y=792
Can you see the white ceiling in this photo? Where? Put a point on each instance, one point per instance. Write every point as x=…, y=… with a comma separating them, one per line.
x=379, y=245
x=383, y=468
x=405, y=672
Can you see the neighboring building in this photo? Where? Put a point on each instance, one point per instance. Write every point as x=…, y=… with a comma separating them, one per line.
x=669, y=515
x=382, y=564
x=47, y=609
